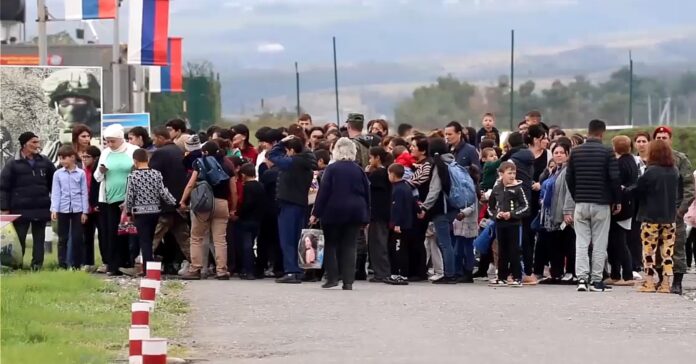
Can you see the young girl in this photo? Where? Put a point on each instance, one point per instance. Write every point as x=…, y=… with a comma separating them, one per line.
x=657, y=192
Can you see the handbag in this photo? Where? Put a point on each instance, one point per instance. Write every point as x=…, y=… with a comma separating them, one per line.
x=126, y=227
x=310, y=249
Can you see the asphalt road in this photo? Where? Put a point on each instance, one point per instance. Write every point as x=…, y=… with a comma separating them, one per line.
x=264, y=322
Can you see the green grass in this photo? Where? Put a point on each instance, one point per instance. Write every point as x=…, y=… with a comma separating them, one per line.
x=74, y=317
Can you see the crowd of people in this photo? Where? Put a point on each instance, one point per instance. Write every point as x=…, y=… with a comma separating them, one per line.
x=539, y=205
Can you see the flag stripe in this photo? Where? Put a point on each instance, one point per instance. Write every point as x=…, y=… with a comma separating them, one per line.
x=175, y=64
x=90, y=9
x=155, y=79
x=166, y=78
x=107, y=9
x=135, y=20
x=73, y=9
x=161, y=31
x=148, y=32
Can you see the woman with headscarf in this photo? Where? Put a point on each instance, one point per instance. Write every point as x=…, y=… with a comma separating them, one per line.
x=342, y=206
x=115, y=165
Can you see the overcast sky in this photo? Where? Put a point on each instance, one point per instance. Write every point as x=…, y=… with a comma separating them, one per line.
x=275, y=33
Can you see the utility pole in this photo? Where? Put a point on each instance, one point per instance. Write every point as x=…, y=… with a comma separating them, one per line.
x=297, y=89
x=43, y=46
x=338, y=114
x=630, y=89
x=115, y=63
x=512, y=80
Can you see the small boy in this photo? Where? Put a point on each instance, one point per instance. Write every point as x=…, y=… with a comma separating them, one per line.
x=250, y=214
x=380, y=202
x=69, y=206
x=488, y=130
x=490, y=168
x=145, y=192
x=508, y=205
x=404, y=158
x=403, y=211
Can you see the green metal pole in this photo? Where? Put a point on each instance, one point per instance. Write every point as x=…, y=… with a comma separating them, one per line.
x=512, y=80
x=297, y=89
x=630, y=89
x=338, y=114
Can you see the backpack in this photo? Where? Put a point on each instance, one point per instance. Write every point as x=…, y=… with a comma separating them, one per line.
x=462, y=191
x=210, y=170
x=363, y=154
x=210, y=174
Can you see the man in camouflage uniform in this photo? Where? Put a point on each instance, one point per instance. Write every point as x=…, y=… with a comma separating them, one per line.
x=686, y=188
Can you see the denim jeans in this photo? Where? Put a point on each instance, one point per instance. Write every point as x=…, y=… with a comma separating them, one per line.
x=463, y=255
x=443, y=232
x=290, y=222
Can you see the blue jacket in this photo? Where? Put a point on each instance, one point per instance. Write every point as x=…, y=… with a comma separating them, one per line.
x=466, y=155
x=69, y=192
x=344, y=195
x=403, y=206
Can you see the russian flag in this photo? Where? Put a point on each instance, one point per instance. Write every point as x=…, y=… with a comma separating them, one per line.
x=169, y=78
x=90, y=9
x=148, y=32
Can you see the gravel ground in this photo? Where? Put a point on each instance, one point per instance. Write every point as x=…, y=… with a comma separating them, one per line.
x=264, y=322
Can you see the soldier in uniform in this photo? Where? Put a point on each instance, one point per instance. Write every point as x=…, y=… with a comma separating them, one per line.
x=686, y=185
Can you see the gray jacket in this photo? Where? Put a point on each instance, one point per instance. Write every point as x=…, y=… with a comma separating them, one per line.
x=561, y=204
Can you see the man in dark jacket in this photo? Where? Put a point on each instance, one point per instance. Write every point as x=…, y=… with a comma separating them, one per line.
x=296, y=165
x=593, y=181
x=168, y=159
x=686, y=191
x=464, y=153
x=25, y=186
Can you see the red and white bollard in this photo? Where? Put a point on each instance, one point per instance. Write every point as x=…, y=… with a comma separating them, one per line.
x=148, y=291
x=136, y=335
x=155, y=351
x=153, y=270
x=140, y=313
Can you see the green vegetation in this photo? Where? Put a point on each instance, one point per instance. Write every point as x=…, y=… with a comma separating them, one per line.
x=74, y=317
x=570, y=104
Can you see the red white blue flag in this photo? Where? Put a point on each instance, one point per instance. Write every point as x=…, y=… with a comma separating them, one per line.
x=90, y=9
x=168, y=78
x=148, y=32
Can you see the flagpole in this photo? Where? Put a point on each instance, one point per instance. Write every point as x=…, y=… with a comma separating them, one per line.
x=42, y=43
x=338, y=115
x=297, y=89
x=115, y=65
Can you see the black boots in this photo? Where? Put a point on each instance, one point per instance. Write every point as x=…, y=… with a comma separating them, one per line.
x=677, y=283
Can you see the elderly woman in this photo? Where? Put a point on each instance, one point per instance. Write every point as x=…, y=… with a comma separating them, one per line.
x=115, y=164
x=342, y=206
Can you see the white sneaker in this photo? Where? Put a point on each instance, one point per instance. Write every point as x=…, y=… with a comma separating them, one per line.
x=184, y=267
x=637, y=276
x=492, y=271
x=431, y=271
x=435, y=277
x=567, y=277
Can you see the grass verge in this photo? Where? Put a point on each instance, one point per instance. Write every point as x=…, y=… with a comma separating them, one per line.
x=74, y=317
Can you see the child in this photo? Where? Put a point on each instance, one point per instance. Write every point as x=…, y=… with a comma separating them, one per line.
x=464, y=230
x=90, y=160
x=69, y=206
x=380, y=202
x=404, y=158
x=250, y=213
x=490, y=168
x=488, y=130
x=508, y=205
x=403, y=209
x=145, y=192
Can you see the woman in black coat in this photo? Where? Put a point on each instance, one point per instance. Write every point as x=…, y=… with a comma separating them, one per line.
x=25, y=187
x=342, y=206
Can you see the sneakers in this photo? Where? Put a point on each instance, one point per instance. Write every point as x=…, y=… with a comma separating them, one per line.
x=131, y=272
x=637, y=276
x=223, y=276
x=582, y=285
x=289, y=278
x=184, y=267
x=446, y=280
x=600, y=287
x=568, y=277
x=396, y=280
x=497, y=283
x=102, y=269
x=515, y=283
x=435, y=277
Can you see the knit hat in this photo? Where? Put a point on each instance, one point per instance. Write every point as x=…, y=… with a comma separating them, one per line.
x=662, y=129
x=114, y=131
x=193, y=143
x=25, y=137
